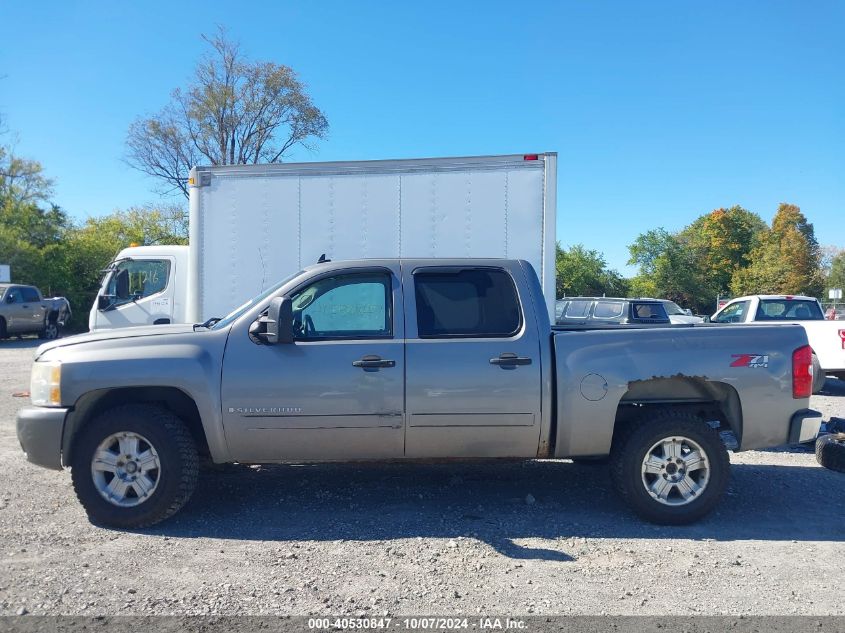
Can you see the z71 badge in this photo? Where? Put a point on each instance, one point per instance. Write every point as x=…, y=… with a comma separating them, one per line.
x=750, y=360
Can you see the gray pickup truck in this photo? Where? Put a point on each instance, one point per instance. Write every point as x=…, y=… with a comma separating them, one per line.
x=24, y=311
x=420, y=359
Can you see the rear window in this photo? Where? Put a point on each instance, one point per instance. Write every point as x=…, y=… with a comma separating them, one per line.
x=788, y=310
x=477, y=302
x=608, y=309
x=29, y=294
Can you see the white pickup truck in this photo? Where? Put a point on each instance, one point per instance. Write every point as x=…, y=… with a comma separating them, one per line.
x=827, y=338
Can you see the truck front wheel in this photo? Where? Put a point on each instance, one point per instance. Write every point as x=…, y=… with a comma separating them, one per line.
x=133, y=466
x=670, y=467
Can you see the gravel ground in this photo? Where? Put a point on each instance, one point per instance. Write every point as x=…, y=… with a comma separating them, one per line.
x=411, y=539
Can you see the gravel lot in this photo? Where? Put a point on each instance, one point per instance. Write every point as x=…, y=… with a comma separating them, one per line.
x=433, y=539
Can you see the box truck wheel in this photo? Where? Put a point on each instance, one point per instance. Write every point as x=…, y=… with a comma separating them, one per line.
x=669, y=466
x=133, y=466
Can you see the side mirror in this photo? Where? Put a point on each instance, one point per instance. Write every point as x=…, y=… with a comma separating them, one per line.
x=707, y=319
x=104, y=302
x=10, y=299
x=277, y=326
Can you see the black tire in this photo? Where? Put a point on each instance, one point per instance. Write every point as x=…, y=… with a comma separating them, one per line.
x=819, y=377
x=3, y=333
x=176, y=478
x=830, y=451
x=634, y=441
x=50, y=331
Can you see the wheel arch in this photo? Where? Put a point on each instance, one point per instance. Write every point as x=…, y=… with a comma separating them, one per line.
x=93, y=403
x=707, y=399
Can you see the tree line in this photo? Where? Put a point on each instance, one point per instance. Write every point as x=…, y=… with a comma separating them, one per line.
x=726, y=252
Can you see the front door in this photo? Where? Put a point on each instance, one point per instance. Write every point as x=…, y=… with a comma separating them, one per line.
x=17, y=312
x=139, y=292
x=336, y=392
x=473, y=364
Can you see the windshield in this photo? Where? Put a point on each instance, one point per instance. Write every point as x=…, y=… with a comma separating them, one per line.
x=237, y=312
x=789, y=310
x=673, y=308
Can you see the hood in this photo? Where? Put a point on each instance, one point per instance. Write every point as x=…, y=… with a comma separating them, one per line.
x=685, y=318
x=114, y=334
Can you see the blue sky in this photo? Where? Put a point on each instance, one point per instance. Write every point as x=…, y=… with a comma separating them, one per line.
x=660, y=111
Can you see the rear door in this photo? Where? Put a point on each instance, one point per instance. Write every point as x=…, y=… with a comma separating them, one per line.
x=33, y=310
x=473, y=386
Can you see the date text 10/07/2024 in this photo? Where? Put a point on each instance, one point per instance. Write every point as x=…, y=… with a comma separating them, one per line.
x=418, y=623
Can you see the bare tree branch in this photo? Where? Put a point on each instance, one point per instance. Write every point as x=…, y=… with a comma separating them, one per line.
x=233, y=112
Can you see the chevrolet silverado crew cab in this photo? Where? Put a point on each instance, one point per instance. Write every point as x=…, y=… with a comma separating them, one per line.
x=826, y=338
x=24, y=311
x=410, y=359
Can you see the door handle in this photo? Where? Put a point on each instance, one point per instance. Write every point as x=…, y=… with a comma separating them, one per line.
x=510, y=360
x=373, y=362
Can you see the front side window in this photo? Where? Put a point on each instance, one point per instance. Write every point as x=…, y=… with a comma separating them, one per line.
x=135, y=279
x=344, y=306
x=477, y=302
x=734, y=313
x=14, y=296
x=648, y=311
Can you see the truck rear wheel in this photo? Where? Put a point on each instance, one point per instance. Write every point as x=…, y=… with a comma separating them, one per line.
x=133, y=466
x=670, y=467
x=50, y=331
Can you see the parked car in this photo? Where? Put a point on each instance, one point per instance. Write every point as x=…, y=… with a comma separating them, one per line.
x=24, y=311
x=609, y=311
x=827, y=338
x=678, y=315
x=411, y=359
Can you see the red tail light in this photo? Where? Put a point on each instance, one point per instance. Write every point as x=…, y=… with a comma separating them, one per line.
x=531, y=157
x=802, y=372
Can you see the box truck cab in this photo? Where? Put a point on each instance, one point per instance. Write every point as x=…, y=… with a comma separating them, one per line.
x=253, y=224
x=144, y=285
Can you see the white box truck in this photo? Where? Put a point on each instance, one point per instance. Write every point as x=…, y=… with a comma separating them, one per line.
x=252, y=225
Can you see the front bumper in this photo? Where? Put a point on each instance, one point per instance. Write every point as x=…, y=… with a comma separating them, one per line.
x=40, y=435
x=804, y=426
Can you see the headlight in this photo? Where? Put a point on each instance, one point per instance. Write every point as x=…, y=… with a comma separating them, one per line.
x=45, y=386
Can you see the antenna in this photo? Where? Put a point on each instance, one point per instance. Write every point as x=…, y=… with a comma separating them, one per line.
x=323, y=259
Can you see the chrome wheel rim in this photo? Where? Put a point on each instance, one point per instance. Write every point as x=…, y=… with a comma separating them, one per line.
x=52, y=331
x=126, y=469
x=675, y=471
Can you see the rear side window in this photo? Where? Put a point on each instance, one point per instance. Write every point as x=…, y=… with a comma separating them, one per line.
x=30, y=295
x=578, y=309
x=788, y=310
x=466, y=303
x=608, y=309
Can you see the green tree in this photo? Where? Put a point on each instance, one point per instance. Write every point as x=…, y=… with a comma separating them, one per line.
x=234, y=111
x=668, y=270
x=721, y=241
x=786, y=261
x=584, y=272
x=836, y=276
